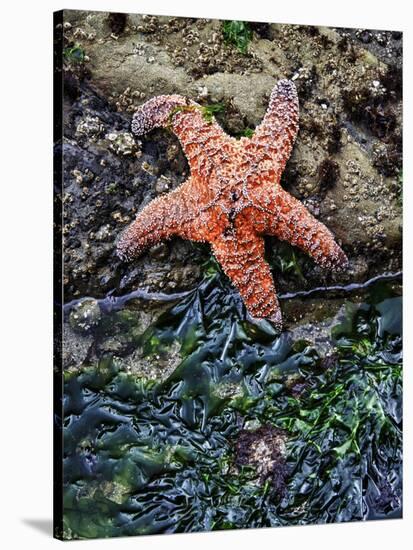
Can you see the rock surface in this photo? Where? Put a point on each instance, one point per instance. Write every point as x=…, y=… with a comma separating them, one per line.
x=345, y=167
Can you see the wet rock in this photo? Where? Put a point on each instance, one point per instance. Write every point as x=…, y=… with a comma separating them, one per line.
x=123, y=143
x=328, y=174
x=77, y=349
x=263, y=449
x=387, y=158
x=387, y=498
x=163, y=185
x=365, y=36
x=264, y=30
x=157, y=366
x=108, y=177
x=90, y=127
x=85, y=315
x=358, y=269
x=159, y=251
x=311, y=320
x=117, y=22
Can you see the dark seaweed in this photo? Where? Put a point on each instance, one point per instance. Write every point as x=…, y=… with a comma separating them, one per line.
x=143, y=457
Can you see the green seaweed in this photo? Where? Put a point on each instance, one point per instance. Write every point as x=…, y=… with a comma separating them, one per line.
x=209, y=111
x=145, y=457
x=286, y=260
x=74, y=54
x=237, y=33
x=248, y=132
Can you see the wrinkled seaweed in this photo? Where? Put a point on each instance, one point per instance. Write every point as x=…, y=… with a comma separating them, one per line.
x=144, y=457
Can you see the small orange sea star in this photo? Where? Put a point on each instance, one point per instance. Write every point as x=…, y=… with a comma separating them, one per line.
x=233, y=196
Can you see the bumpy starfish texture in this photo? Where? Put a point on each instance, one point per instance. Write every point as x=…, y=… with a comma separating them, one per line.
x=233, y=196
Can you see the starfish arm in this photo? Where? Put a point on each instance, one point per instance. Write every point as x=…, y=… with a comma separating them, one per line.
x=274, y=138
x=243, y=262
x=200, y=137
x=163, y=218
x=283, y=216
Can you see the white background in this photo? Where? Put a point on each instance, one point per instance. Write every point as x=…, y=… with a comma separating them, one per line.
x=26, y=270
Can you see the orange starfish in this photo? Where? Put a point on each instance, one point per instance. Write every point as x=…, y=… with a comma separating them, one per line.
x=233, y=196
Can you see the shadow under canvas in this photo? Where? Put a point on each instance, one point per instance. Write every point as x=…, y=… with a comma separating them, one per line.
x=44, y=526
